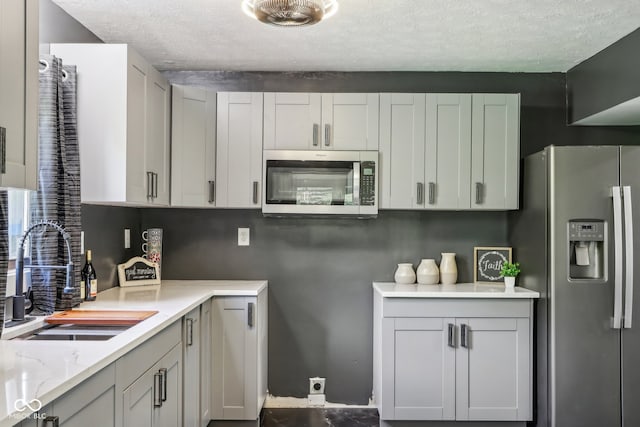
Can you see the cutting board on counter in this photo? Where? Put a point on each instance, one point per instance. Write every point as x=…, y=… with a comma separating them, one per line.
x=99, y=317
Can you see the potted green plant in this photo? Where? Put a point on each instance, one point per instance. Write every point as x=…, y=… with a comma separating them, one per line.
x=510, y=271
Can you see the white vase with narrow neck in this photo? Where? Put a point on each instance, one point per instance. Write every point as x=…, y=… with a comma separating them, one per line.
x=405, y=274
x=448, y=268
x=428, y=273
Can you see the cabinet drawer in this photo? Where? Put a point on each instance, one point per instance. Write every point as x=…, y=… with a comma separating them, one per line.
x=137, y=361
x=442, y=307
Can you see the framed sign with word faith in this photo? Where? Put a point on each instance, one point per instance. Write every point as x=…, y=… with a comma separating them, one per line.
x=488, y=262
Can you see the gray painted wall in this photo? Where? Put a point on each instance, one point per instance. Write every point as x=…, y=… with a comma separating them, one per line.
x=320, y=273
x=104, y=234
x=606, y=79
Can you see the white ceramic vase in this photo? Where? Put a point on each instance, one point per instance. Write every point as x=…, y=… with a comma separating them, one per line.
x=405, y=274
x=509, y=283
x=448, y=268
x=428, y=272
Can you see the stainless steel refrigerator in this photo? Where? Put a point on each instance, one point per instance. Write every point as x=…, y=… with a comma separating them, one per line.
x=575, y=237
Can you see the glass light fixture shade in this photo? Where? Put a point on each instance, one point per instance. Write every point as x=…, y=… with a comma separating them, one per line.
x=290, y=13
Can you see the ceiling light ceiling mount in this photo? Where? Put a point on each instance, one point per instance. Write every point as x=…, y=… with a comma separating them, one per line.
x=290, y=13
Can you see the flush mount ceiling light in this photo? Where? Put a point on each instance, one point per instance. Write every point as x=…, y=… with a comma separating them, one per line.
x=290, y=13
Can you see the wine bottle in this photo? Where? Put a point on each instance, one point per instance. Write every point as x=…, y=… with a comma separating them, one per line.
x=89, y=279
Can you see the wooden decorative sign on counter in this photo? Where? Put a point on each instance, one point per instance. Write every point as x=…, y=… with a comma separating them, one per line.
x=138, y=271
x=488, y=262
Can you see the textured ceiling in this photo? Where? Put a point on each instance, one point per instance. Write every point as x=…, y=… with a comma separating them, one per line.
x=365, y=35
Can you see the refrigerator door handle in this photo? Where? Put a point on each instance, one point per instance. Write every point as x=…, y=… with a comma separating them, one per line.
x=617, y=238
x=628, y=241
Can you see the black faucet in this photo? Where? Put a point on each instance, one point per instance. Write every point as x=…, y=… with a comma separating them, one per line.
x=19, y=299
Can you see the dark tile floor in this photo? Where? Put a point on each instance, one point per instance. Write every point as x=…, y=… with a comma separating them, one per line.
x=320, y=417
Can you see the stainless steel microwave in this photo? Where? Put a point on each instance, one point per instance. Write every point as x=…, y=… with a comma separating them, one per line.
x=320, y=182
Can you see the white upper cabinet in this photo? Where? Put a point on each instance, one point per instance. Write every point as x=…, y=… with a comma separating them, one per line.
x=495, y=156
x=449, y=151
x=402, y=126
x=292, y=121
x=314, y=121
x=239, y=150
x=18, y=94
x=193, y=147
x=123, y=124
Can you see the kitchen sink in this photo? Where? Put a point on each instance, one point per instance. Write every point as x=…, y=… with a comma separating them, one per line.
x=74, y=333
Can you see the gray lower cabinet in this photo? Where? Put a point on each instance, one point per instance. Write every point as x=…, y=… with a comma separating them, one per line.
x=149, y=381
x=196, y=339
x=155, y=399
x=239, y=365
x=453, y=360
x=92, y=402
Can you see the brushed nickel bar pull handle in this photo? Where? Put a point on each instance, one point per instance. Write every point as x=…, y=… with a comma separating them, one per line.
x=617, y=258
x=53, y=419
x=420, y=195
x=255, y=192
x=163, y=375
x=212, y=191
x=149, y=185
x=327, y=135
x=316, y=131
x=464, y=336
x=189, y=332
x=155, y=185
x=432, y=193
x=250, y=313
x=479, y=193
x=157, y=392
x=451, y=337
x=3, y=150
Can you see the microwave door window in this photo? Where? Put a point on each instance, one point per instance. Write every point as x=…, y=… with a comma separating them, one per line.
x=310, y=183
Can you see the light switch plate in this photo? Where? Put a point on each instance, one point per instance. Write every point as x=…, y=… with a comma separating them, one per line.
x=127, y=238
x=243, y=237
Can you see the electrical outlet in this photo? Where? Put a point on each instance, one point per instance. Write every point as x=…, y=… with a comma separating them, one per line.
x=127, y=238
x=316, y=385
x=243, y=237
x=82, y=242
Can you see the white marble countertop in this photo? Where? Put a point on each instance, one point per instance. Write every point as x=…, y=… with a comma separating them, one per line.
x=45, y=370
x=459, y=290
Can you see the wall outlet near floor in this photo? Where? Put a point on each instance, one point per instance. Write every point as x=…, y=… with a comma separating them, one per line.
x=316, y=385
x=243, y=237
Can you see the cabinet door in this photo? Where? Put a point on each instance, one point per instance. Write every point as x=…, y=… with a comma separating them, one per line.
x=350, y=121
x=193, y=145
x=90, y=402
x=140, y=398
x=138, y=173
x=418, y=368
x=495, y=151
x=448, y=151
x=292, y=121
x=234, y=369
x=170, y=413
x=192, y=375
x=239, y=150
x=402, y=121
x=157, y=145
x=19, y=89
x=492, y=370
x=205, y=363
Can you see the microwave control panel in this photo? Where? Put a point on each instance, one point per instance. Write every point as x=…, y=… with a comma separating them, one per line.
x=367, y=183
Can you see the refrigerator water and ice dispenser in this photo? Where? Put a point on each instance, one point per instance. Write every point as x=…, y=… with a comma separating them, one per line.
x=586, y=249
